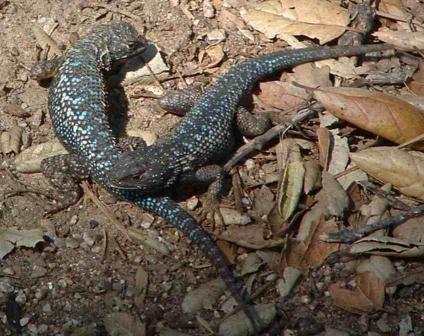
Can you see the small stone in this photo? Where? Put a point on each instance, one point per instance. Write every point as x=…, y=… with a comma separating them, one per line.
x=250, y=164
x=216, y=35
x=41, y=293
x=47, y=309
x=306, y=299
x=24, y=321
x=60, y=243
x=192, y=203
x=8, y=271
x=32, y=328
x=5, y=286
x=71, y=243
x=88, y=239
x=38, y=272
x=97, y=249
x=208, y=9
x=43, y=328
x=21, y=298
x=93, y=224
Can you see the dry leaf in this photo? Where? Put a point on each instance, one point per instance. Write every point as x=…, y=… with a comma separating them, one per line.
x=380, y=266
x=402, y=39
x=203, y=297
x=240, y=325
x=281, y=95
x=216, y=54
x=286, y=284
x=9, y=238
x=311, y=252
x=123, y=324
x=300, y=17
x=416, y=85
x=141, y=281
x=367, y=297
x=381, y=114
x=291, y=185
x=312, y=176
x=388, y=246
x=251, y=264
x=310, y=75
x=411, y=230
x=337, y=198
x=11, y=140
x=250, y=236
x=404, y=170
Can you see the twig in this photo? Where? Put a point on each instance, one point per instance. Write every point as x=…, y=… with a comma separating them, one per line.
x=259, y=142
x=105, y=210
x=349, y=236
x=393, y=201
x=115, y=9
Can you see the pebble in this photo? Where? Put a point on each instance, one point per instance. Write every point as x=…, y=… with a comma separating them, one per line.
x=8, y=271
x=43, y=328
x=23, y=321
x=41, y=292
x=5, y=286
x=71, y=243
x=47, y=309
x=32, y=328
x=192, y=203
x=38, y=272
x=88, y=239
x=21, y=298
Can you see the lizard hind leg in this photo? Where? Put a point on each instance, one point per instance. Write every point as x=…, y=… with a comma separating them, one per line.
x=64, y=172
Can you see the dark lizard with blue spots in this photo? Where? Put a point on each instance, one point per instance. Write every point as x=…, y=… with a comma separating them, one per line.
x=78, y=112
x=206, y=134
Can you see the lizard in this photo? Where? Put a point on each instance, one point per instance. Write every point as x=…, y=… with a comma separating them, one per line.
x=77, y=108
x=207, y=131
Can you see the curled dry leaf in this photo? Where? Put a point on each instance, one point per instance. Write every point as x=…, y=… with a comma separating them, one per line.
x=312, y=176
x=381, y=266
x=387, y=116
x=203, y=297
x=216, y=55
x=123, y=324
x=9, y=238
x=29, y=160
x=388, y=246
x=404, y=170
x=141, y=281
x=11, y=140
x=15, y=110
x=337, y=198
x=289, y=279
x=281, y=95
x=291, y=185
x=251, y=264
x=311, y=252
x=149, y=241
x=402, y=39
x=298, y=17
x=367, y=297
x=240, y=325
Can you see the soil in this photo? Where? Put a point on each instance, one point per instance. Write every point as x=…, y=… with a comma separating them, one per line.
x=68, y=285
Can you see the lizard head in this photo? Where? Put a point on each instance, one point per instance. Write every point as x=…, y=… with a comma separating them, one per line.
x=120, y=40
x=148, y=170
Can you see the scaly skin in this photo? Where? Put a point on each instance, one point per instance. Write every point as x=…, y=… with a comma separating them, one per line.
x=78, y=111
x=206, y=133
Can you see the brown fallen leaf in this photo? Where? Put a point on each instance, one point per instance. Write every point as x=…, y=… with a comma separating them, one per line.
x=387, y=246
x=416, y=85
x=215, y=53
x=387, y=116
x=141, y=281
x=337, y=199
x=281, y=95
x=249, y=236
x=240, y=325
x=324, y=21
x=123, y=324
x=404, y=170
x=367, y=297
x=291, y=184
x=203, y=297
x=311, y=252
x=402, y=39
x=312, y=176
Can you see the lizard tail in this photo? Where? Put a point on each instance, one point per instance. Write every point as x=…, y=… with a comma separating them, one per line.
x=172, y=213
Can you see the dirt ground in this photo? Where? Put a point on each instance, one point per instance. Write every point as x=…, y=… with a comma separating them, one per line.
x=86, y=268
